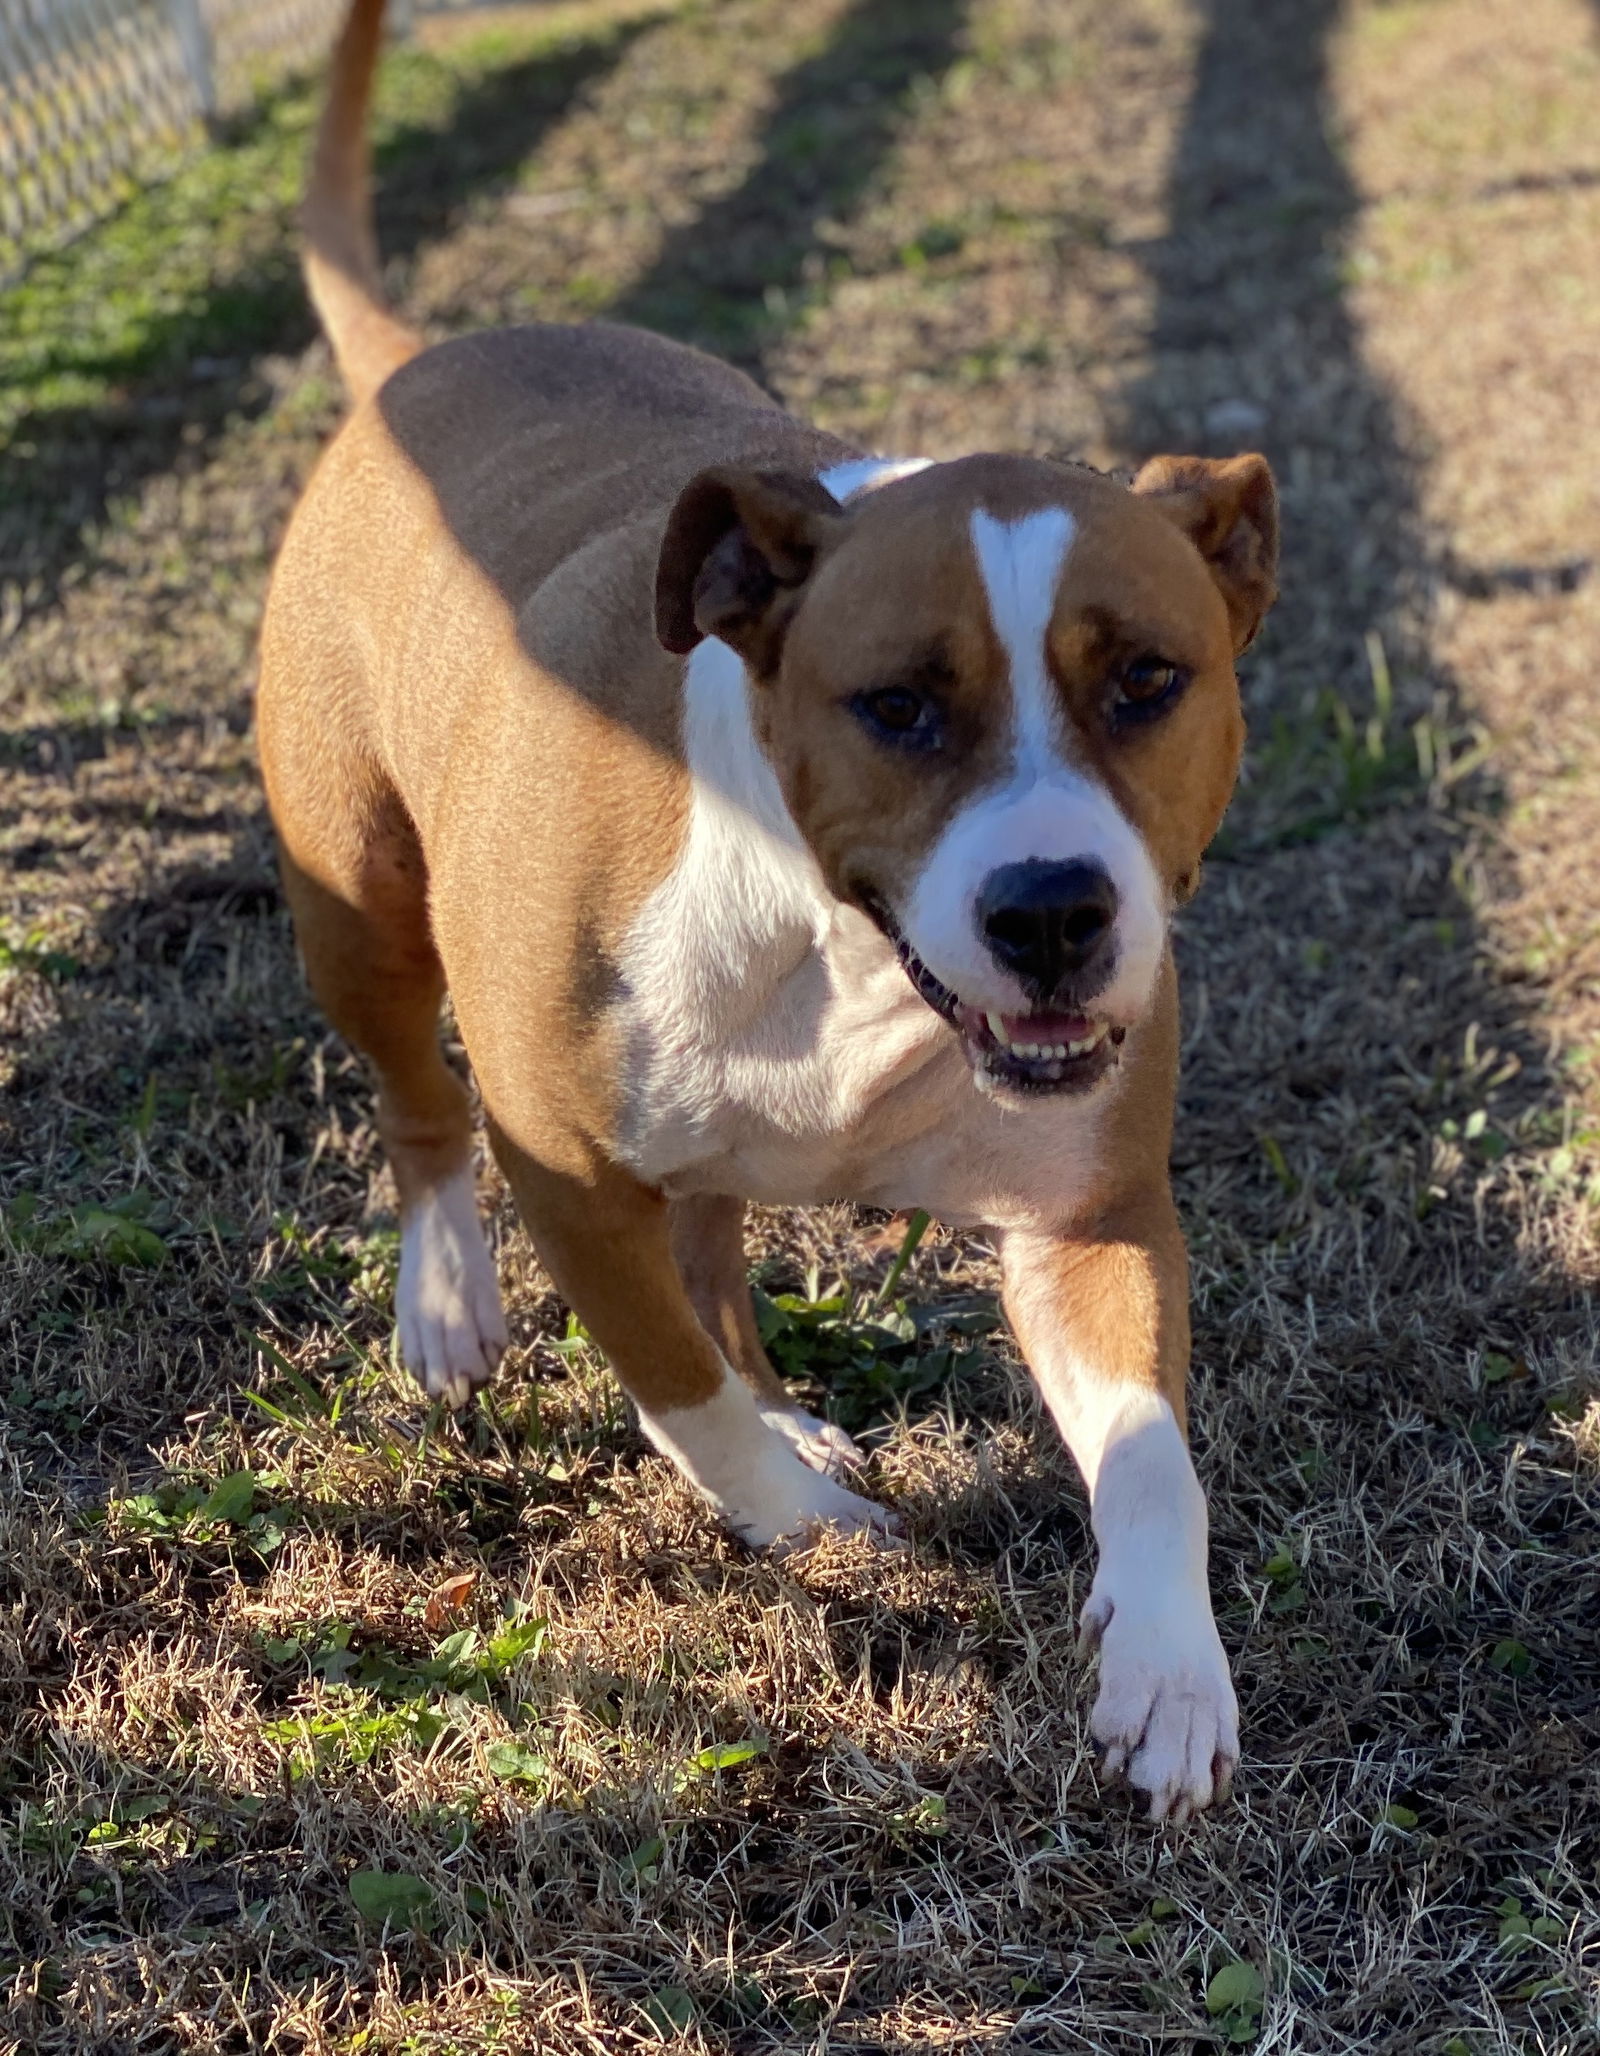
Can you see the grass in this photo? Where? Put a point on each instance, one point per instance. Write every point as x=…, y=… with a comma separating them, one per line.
x=203, y=265
x=332, y=1724
x=195, y=280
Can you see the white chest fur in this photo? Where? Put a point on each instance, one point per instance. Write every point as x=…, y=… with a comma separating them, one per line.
x=774, y=1048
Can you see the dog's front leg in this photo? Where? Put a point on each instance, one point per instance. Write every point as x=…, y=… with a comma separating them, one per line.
x=606, y=1241
x=1103, y=1318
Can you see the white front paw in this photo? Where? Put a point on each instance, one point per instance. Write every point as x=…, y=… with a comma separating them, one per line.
x=745, y=1460
x=1166, y=1712
x=447, y=1297
x=795, y=1507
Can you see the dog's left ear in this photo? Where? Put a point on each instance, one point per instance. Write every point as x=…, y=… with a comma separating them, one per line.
x=734, y=561
x=1228, y=508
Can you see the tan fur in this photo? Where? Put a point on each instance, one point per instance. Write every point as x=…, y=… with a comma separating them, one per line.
x=341, y=251
x=708, y=1248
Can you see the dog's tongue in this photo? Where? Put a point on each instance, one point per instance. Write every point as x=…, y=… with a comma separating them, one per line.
x=1047, y=1027
x=1030, y=1028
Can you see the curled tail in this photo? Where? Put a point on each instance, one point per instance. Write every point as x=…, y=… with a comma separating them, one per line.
x=341, y=252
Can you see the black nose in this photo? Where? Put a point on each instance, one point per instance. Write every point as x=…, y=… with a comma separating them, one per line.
x=1048, y=922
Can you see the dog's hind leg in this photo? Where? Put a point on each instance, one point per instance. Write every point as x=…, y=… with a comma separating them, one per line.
x=708, y=1247
x=357, y=886
x=607, y=1242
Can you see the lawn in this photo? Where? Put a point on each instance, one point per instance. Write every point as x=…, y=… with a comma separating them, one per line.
x=332, y=1724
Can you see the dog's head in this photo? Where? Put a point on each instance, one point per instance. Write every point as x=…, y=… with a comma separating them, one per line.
x=999, y=698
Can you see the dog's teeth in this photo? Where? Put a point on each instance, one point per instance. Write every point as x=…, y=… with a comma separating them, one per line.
x=1044, y=1052
x=1052, y=1071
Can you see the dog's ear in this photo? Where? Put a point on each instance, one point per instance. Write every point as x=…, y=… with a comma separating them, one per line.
x=738, y=550
x=1228, y=508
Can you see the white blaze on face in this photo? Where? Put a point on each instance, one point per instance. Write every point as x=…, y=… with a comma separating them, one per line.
x=1044, y=807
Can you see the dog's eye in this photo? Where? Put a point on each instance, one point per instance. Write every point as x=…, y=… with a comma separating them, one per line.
x=899, y=714
x=1147, y=678
x=898, y=708
x=1147, y=686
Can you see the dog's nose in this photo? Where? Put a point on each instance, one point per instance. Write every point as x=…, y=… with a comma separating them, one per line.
x=1047, y=922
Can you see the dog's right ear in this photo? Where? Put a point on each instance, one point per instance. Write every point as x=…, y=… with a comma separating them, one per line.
x=734, y=561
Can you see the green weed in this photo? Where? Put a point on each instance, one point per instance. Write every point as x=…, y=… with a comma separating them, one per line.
x=870, y=1359
x=117, y=1232
x=203, y=269
x=1330, y=767
x=34, y=954
x=200, y=1515
x=381, y=1699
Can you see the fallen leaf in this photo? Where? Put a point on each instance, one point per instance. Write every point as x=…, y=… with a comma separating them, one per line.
x=448, y=1597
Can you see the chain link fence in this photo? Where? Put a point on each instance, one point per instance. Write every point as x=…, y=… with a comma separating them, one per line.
x=98, y=97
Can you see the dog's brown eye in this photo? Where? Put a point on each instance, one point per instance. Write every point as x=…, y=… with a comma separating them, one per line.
x=898, y=714
x=1146, y=688
x=1147, y=678
x=897, y=708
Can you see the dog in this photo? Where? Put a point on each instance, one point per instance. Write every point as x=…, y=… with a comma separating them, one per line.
x=787, y=825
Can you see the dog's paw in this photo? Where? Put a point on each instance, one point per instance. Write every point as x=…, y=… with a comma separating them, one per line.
x=805, y=1504
x=447, y=1298
x=748, y=1467
x=821, y=1445
x=1166, y=1712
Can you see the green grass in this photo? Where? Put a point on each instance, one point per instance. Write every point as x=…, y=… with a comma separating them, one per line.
x=204, y=265
x=1331, y=764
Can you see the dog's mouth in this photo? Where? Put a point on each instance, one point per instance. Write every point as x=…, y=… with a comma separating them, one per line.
x=1034, y=1054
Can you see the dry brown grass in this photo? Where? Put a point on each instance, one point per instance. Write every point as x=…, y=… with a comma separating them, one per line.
x=1034, y=222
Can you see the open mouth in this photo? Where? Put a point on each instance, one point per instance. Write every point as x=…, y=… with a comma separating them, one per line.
x=1033, y=1053
x=1041, y=1052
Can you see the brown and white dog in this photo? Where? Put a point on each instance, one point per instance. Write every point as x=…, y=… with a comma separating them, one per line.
x=787, y=825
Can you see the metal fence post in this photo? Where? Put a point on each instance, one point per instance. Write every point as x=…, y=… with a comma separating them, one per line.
x=95, y=93
x=194, y=40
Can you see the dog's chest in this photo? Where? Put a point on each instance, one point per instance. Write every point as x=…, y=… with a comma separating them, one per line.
x=773, y=1049
x=843, y=1085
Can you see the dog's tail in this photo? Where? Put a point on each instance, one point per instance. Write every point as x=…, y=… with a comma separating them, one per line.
x=341, y=251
